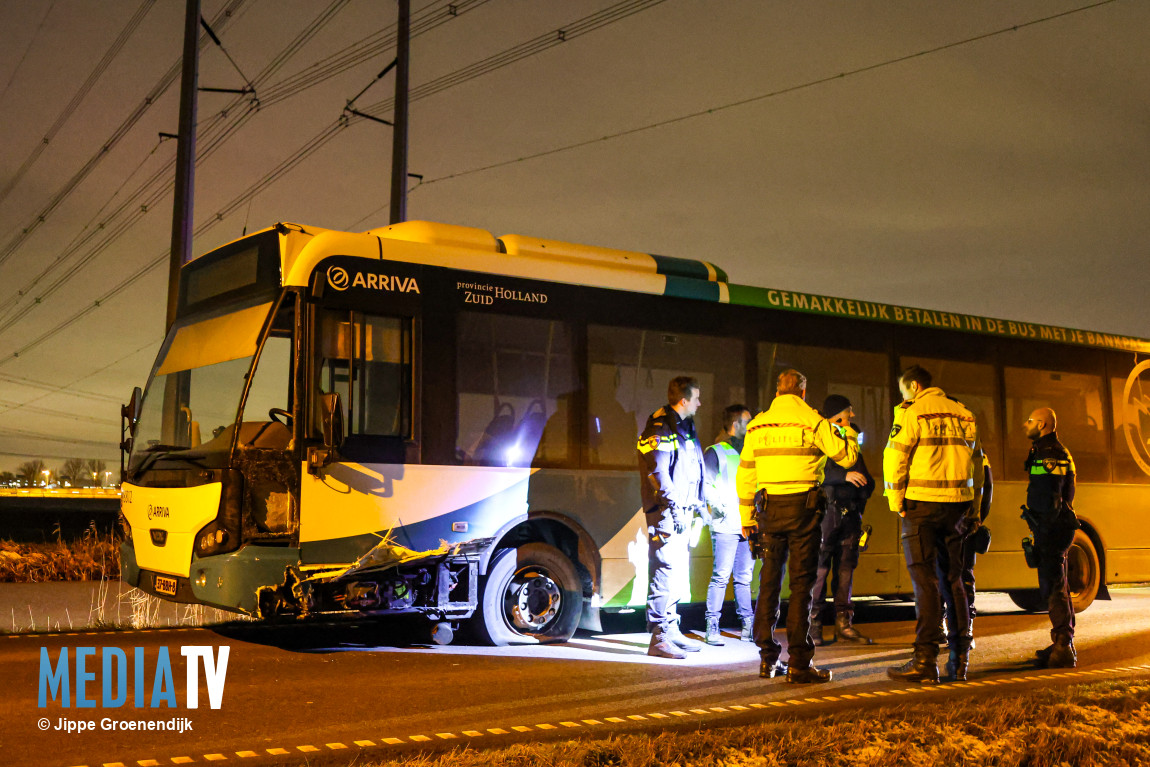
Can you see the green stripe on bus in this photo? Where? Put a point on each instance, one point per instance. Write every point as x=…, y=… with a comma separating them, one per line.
x=682, y=287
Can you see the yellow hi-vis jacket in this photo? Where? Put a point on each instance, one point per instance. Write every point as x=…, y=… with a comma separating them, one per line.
x=930, y=453
x=786, y=449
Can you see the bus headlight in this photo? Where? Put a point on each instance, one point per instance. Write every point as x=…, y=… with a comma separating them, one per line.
x=213, y=539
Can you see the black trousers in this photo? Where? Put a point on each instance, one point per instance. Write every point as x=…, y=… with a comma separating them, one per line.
x=790, y=535
x=932, y=542
x=1052, y=542
x=838, y=557
x=957, y=632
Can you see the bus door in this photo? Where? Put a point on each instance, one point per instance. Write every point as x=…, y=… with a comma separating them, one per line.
x=264, y=445
x=350, y=505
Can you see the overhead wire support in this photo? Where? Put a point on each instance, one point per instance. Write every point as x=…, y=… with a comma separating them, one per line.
x=249, y=88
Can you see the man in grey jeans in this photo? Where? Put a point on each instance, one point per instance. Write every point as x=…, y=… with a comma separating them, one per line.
x=730, y=550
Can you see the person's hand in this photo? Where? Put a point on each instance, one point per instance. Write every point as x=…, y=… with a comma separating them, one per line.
x=750, y=532
x=856, y=478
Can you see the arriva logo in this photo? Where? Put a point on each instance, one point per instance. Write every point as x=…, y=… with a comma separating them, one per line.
x=1136, y=415
x=338, y=278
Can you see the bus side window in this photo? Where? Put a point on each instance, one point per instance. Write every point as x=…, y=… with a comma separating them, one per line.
x=367, y=360
x=1082, y=423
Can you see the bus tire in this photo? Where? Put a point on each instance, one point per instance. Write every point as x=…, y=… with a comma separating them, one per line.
x=1083, y=572
x=531, y=595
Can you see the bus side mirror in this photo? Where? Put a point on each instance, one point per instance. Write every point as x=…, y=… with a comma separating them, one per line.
x=130, y=413
x=331, y=417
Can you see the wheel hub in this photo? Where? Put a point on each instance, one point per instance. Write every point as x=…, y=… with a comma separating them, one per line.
x=534, y=599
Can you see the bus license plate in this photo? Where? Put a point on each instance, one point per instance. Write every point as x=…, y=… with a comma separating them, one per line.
x=165, y=585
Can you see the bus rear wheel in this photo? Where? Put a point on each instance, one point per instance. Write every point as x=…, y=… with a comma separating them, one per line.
x=1083, y=572
x=531, y=595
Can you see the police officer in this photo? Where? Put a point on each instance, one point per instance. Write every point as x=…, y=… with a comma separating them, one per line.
x=1050, y=514
x=780, y=471
x=846, y=491
x=928, y=469
x=671, y=479
x=731, y=551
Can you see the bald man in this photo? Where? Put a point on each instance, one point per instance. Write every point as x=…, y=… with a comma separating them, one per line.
x=1050, y=514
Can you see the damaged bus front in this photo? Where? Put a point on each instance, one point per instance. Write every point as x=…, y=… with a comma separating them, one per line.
x=244, y=399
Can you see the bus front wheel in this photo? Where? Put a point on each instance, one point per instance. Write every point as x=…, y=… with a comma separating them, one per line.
x=1083, y=572
x=531, y=595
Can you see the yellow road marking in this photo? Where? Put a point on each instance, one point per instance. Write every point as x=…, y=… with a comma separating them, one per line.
x=679, y=713
x=251, y=754
x=615, y=719
x=545, y=726
x=390, y=741
x=277, y=751
x=182, y=760
x=418, y=738
x=366, y=742
x=658, y=716
x=473, y=733
x=521, y=728
x=445, y=735
x=497, y=731
x=591, y=721
x=332, y=746
x=307, y=749
x=215, y=757
x=699, y=711
x=147, y=763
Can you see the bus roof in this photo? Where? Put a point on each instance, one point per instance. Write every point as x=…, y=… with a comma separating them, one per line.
x=477, y=250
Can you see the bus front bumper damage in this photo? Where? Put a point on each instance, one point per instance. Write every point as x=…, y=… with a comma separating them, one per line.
x=441, y=584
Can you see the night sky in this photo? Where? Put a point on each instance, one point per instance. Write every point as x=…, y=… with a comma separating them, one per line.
x=957, y=163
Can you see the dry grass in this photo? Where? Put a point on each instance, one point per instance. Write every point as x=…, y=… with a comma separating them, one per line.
x=1104, y=723
x=91, y=557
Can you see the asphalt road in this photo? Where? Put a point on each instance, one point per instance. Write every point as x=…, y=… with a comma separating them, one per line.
x=327, y=693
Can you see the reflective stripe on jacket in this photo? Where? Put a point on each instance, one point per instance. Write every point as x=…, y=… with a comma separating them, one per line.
x=670, y=462
x=930, y=453
x=721, y=461
x=786, y=450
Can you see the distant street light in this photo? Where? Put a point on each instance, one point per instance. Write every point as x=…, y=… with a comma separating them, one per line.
x=46, y=474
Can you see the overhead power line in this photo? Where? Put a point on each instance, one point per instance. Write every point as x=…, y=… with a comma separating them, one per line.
x=28, y=48
x=110, y=143
x=584, y=25
x=218, y=130
x=155, y=188
x=763, y=96
x=97, y=71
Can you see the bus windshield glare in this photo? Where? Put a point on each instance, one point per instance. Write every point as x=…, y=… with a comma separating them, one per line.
x=192, y=399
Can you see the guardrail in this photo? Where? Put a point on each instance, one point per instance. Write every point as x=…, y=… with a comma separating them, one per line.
x=59, y=492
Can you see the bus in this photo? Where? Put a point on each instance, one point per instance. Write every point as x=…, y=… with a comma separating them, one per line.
x=426, y=419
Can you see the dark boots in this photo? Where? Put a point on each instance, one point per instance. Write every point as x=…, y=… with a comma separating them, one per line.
x=769, y=669
x=1061, y=654
x=816, y=631
x=848, y=633
x=923, y=667
x=957, y=664
x=808, y=675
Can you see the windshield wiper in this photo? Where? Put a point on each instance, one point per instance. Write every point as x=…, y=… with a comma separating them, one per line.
x=154, y=453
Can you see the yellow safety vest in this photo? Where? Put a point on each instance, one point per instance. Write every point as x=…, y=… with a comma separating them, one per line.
x=930, y=453
x=786, y=450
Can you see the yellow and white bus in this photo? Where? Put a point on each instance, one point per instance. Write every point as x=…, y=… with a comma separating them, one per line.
x=428, y=419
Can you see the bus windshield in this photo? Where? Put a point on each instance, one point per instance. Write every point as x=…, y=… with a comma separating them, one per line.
x=193, y=396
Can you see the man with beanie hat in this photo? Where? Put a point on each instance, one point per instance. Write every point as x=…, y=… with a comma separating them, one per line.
x=846, y=491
